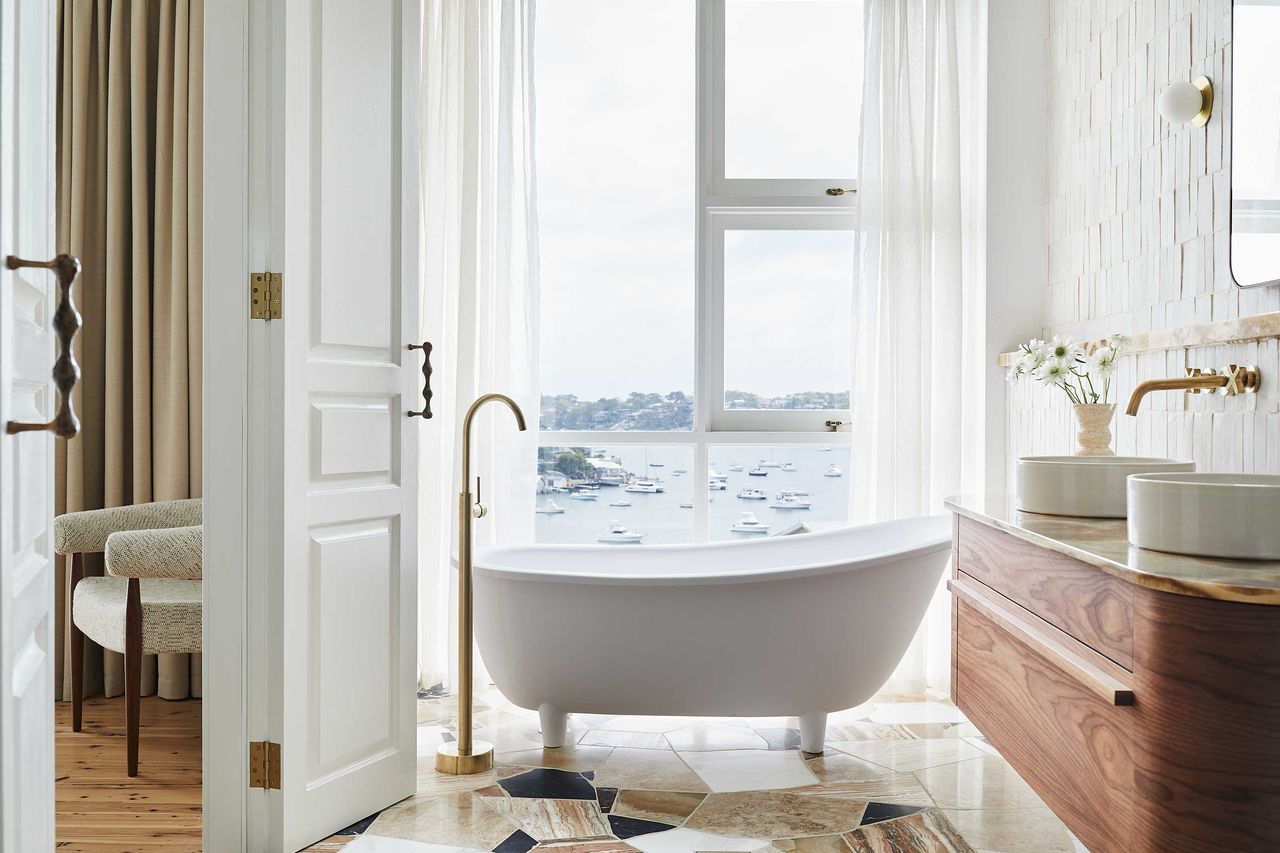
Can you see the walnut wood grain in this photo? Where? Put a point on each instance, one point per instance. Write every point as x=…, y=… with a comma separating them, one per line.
x=132, y=672
x=1068, y=654
x=1071, y=746
x=1193, y=765
x=1086, y=603
x=77, y=646
x=1208, y=756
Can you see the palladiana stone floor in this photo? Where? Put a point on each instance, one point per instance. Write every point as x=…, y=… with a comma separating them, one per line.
x=895, y=776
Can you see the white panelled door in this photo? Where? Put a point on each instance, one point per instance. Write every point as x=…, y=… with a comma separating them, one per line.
x=347, y=478
x=27, y=300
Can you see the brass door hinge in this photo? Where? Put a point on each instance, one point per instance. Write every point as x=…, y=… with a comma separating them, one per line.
x=264, y=764
x=264, y=295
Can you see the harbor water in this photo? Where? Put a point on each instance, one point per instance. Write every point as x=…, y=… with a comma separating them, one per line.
x=666, y=517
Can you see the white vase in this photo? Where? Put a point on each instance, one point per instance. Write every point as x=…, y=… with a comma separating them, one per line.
x=1094, y=437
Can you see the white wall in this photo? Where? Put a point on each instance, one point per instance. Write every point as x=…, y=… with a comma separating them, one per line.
x=1017, y=32
x=1137, y=229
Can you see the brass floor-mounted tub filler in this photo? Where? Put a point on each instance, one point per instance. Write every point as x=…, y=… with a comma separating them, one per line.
x=465, y=755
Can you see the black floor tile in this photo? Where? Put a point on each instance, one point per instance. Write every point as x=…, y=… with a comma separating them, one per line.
x=877, y=812
x=549, y=785
x=516, y=842
x=359, y=826
x=630, y=827
x=606, y=797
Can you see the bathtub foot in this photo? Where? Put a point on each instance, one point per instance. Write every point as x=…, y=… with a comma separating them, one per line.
x=554, y=725
x=813, y=732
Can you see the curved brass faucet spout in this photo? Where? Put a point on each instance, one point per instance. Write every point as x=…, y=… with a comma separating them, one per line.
x=466, y=428
x=1185, y=383
x=465, y=756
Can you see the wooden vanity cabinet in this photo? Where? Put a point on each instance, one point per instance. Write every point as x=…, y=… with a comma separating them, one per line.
x=1147, y=720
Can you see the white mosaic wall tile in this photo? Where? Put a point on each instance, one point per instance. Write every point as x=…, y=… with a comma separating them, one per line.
x=1137, y=224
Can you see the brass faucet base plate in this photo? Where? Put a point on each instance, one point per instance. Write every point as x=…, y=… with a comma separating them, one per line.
x=449, y=761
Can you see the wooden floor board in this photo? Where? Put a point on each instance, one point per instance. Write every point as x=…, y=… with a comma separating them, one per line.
x=99, y=808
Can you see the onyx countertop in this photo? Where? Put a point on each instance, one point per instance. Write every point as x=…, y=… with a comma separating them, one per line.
x=1104, y=542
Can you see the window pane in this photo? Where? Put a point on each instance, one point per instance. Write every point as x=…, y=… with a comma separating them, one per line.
x=616, y=149
x=791, y=485
x=787, y=317
x=792, y=88
x=584, y=493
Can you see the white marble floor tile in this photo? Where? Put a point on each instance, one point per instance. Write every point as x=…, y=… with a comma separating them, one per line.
x=381, y=844
x=980, y=783
x=653, y=725
x=1033, y=830
x=707, y=736
x=430, y=737
x=908, y=755
x=750, y=769
x=692, y=841
x=917, y=712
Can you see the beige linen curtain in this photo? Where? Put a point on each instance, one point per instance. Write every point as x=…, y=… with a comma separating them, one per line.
x=129, y=205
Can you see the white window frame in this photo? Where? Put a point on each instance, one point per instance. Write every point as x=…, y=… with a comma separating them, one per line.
x=772, y=204
x=711, y=132
x=710, y=335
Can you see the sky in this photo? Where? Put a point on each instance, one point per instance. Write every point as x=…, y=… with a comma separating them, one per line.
x=615, y=150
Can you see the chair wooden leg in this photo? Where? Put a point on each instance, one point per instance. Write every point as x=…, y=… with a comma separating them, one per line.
x=77, y=648
x=132, y=670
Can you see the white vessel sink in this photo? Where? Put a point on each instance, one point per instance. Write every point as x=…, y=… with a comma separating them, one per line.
x=1233, y=516
x=1089, y=486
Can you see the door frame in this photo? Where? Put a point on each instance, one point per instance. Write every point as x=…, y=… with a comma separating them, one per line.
x=238, y=200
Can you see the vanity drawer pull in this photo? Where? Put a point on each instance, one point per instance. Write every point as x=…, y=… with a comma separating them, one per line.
x=1091, y=676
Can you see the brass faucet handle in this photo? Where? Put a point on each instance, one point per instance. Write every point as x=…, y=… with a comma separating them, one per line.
x=1196, y=373
x=1241, y=380
x=478, y=509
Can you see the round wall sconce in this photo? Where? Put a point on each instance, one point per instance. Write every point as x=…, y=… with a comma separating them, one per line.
x=1184, y=102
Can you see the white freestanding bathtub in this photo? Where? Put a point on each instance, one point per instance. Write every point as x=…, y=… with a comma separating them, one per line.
x=794, y=625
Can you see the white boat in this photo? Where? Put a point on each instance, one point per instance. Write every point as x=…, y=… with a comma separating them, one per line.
x=620, y=502
x=793, y=493
x=748, y=523
x=753, y=495
x=769, y=464
x=717, y=485
x=735, y=467
x=713, y=474
x=788, y=466
x=791, y=502
x=832, y=471
x=758, y=472
x=644, y=487
x=679, y=471
x=583, y=496
x=551, y=508
x=686, y=506
x=655, y=464
x=619, y=534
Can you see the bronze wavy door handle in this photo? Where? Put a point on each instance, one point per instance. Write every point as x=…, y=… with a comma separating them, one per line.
x=425, y=346
x=66, y=322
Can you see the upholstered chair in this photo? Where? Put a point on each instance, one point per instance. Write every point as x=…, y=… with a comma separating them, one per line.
x=148, y=602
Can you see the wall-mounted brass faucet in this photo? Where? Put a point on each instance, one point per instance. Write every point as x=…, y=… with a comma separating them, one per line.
x=1231, y=381
x=465, y=756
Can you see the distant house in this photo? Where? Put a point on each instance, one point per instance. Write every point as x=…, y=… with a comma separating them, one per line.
x=550, y=480
x=607, y=470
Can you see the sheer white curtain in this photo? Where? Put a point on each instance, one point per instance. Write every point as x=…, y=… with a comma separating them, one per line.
x=910, y=324
x=479, y=291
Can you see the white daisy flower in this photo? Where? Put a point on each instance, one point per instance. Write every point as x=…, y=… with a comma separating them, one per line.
x=1055, y=372
x=1064, y=350
x=1102, y=362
